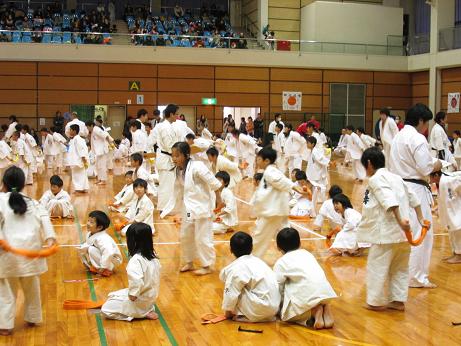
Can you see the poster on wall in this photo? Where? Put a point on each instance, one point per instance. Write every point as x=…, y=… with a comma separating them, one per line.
x=291, y=100
x=453, y=103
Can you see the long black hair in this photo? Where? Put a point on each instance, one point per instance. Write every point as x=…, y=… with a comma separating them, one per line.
x=139, y=240
x=14, y=180
x=184, y=149
x=343, y=200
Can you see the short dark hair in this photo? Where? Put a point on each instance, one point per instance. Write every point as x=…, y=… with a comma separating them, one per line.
x=385, y=111
x=276, y=115
x=300, y=175
x=118, y=141
x=375, y=156
x=89, y=123
x=289, y=126
x=416, y=113
x=182, y=147
x=295, y=170
x=457, y=132
x=141, y=112
x=361, y=129
x=137, y=157
x=288, y=239
x=140, y=182
x=312, y=140
x=135, y=123
x=311, y=124
x=147, y=124
x=156, y=112
x=258, y=176
x=267, y=153
x=18, y=127
x=190, y=136
x=343, y=200
x=350, y=128
x=241, y=244
x=334, y=190
x=44, y=129
x=26, y=127
x=170, y=109
x=129, y=173
x=73, y=127
x=212, y=151
x=224, y=176
x=439, y=117
x=102, y=220
x=56, y=180
x=279, y=125
x=13, y=118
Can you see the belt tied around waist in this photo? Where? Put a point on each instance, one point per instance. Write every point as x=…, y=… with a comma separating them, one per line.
x=419, y=182
x=165, y=152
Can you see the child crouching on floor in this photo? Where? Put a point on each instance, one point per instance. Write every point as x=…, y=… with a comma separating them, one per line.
x=56, y=200
x=227, y=213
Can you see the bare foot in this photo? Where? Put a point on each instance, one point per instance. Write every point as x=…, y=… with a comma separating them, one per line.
x=187, y=268
x=203, y=271
x=318, y=316
x=152, y=316
x=327, y=317
x=455, y=259
x=448, y=258
x=428, y=285
x=6, y=332
x=399, y=306
x=334, y=252
x=31, y=324
x=374, y=307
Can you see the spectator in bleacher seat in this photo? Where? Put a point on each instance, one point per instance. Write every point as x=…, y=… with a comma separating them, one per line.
x=178, y=11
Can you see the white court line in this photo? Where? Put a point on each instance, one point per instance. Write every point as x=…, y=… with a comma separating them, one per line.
x=291, y=222
x=441, y=234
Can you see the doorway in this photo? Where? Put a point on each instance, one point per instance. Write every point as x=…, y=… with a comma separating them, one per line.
x=240, y=112
x=116, y=116
x=188, y=111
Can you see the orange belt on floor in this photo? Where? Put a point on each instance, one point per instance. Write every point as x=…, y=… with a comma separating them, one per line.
x=29, y=253
x=75, y=304
x=328, y=241
x=211, y=318
x=299, y=218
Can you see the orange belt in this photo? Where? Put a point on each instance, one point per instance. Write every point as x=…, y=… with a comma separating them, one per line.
x=75, y=304
x=212, y=318
x=29, y=253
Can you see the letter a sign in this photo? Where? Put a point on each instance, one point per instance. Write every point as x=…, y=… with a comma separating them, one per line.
x=134, y=85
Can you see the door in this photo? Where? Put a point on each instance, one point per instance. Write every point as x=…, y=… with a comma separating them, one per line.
x=115, y=120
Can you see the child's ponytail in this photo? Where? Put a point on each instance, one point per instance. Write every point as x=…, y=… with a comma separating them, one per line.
x=14, y=180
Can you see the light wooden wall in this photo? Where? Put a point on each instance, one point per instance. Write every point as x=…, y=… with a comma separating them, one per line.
x=250, y=9
x=420, y=87
x=34, y=90
x=284, y=19
x=451, y=82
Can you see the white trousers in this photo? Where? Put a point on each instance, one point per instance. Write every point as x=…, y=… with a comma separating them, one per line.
x=387, y=153
x=196, y=239
x=266, y=229
x=358, y=169
x=25, y=168
x=101, y=167
x=420, y=257
x=9, y=287
x=93, y=256
x=387, y=266
x=219, y=228
x=294, y=162
x=250, y=170
x=80, y=178
x=280, y=163
x=455, y=241
x=166, y=181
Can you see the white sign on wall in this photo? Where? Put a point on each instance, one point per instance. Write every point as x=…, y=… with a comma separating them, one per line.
x=140, y=99
x=453, y=103
x=292, y=100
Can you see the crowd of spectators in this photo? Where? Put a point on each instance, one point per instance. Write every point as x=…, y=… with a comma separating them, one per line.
x=181, y=28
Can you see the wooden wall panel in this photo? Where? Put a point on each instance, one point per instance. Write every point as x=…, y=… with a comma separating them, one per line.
x=420, y=77
x=70, y=97
x=392, y=78
x=49, y=110
x=186, y=85
x=391, y=90
x=312, y=101
x=451, y=75
x=449, y=87
x=18, y=96
x=242, y=86
x=393, y=102
x=348, y=76
x=122, y=84
x=18, y=82
x=67, y=69
x=253, y=73
x=242, y=100
x=67, y=83
x=451, y=82
x=181, y=99
x=420, y=90
x=122, y=97
x=308, y=88
x=128, y=70
x=13, y=68
x=296, y=74
x=183, y=71
x=131, y=110
x=20, y=110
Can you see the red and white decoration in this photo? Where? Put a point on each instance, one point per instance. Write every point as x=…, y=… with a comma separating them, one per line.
x=453, y=103
x=292, y=100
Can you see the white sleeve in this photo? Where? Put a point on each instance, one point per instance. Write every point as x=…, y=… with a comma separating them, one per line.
x=229, y=203
x=45, y=198
x=279, y=181
x=135, y=277
x=233, y=286
x=143, y=211
x=47, y=226
x=423, y=159
x=203, y=173
x=107, y=251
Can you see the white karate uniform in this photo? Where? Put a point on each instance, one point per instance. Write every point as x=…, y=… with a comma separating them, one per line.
x=387, y=134
x=11, y=129
x=368, y=140
x=300, y=205
x=62, y=199
x=231, y=147
x=58, y=148
x=207, y=134
x=83, y=131
x=271, y=208
x=142, y=173
x=193, y=196
x=140, y=210
x=230, y=218
x=77, y=151
x=346, y=239
x=28, y=231
x=91, y=170
x=355, y=147
x=327, y=211
x=5, y=153
x=47, y=144
x=121, y=153
x=250, y=289
x=25, y=157
x=124, y=198
x=317, y=165
x=31, y=147
x=224, y=164
x=166, y=138
x=100, y=148
x=247, y=152
x=449, y=208
x=411, y=158
x=340, y=149
x=457, y=152
x=181, y=130
x=272, y=126
x=302, y=284
x=390, y=252
x=139, y=142
x=294, y=146
x=143, y=283
x=278, y=146
x=100, y=251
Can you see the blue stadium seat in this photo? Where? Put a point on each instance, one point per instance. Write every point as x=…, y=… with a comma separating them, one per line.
x=16, y=36
x=57, y=38
x=46, y=38
x=66, y=37
x=27, y=37
x=78, y=39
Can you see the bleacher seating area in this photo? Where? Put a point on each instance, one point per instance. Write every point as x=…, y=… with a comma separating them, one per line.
x=209, y=29
x=52, y=25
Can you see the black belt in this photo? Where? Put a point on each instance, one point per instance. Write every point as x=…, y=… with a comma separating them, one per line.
x=165, y=152
x=420, y=182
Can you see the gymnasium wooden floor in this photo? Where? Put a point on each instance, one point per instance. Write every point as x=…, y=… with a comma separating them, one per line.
x=185, y=297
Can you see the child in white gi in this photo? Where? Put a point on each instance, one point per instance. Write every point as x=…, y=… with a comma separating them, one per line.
x=221, y=163
x=327, y=211
x=26, y=225
x=457, y=148
x=141, y=208
x=301, y=205
x=123, y=199
x=346, y=239
x=78, y=160
x=355, y=147
x=56, y=200
x=140, y=172
x=385, y=215
x=5, y=154
x=449, y=201
x=99, y=253
x=47, y=144
x=227, y=215
x=58, y=149
x=303, y=285
x=251, y=291
x=317, y=164
x=143, y=270
x=270, y=201
x=20, y=149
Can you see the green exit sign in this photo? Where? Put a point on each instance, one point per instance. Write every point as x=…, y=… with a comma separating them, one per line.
x=209, y=101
